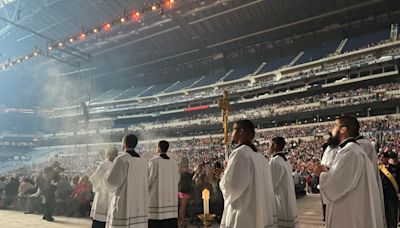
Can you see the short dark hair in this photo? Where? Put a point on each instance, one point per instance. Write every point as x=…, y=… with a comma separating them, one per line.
x=279, y=142
x=352, y=125
x=247, y=126
x=164, y=145
x=130, y=141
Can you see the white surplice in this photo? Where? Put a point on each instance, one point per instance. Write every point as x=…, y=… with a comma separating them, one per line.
x=102, y=197
x=163, y=188
x=351, y=189
x=248, y=191
x=327, y=160
x=128, y=178
x=370, y=151
x=328, y=156
x=285, y=196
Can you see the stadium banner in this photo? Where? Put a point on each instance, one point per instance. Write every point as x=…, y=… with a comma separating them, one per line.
x=196, y=108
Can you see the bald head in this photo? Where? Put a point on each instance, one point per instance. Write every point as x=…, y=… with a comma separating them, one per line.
x=111, y=153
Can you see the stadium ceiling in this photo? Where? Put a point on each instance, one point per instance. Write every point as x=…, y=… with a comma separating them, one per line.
x=191, y=29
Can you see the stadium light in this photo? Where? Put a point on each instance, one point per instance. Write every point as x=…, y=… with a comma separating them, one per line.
x=106, y=27
x=136, y=15
x=82, y=36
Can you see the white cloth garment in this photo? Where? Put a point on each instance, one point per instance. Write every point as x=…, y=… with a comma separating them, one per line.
x=351, y=190
x=248, y=191
x=328, y=156
x=128, y=179
x=285, y=196
x=163, y=188
x=102, y=197
x=370, y=151
x=327, y=160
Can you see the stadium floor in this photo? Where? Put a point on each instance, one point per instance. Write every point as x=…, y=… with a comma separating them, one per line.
x=309, y=208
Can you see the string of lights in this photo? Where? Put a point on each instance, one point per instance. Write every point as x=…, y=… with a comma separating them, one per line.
x=128, y=17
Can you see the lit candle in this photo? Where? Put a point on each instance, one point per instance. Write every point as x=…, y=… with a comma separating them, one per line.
x=206, y=198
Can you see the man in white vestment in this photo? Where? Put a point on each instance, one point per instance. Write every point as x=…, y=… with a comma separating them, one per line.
x=350, y=186
x=163, y=188
x=285, y=196
x=370, y=151
x=128, y=179
x=102, y=197
x=246, y=184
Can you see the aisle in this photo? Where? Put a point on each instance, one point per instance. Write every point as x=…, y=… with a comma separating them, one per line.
x=17, y=219
x=309, y=210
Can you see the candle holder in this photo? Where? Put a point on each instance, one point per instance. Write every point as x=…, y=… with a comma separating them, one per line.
x=206, y=219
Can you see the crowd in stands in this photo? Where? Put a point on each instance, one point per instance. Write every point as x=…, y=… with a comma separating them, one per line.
x=310, y=103
x=74, y=191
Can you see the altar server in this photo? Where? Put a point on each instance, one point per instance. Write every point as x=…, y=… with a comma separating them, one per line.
x=128, y=179
x=102, y=197
x=163, y=188
x=350, y=185
x=247, y=183
x=282, y=178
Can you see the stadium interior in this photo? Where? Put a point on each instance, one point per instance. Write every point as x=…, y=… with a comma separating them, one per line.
x=76, y=76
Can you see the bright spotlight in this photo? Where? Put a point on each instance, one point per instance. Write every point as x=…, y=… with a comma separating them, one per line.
x=135, y=16
x=82, y=36
x=106, y=27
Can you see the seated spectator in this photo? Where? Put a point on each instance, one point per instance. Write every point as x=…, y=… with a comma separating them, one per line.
x=2, y=185
x=34, y=200
x=24, y=192
x=63, y=192
x=11, y=192
x=75, y=182
x=80, y=198
x=64, y=188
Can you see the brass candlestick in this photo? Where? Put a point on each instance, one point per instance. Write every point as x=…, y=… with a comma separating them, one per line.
x=206, y=219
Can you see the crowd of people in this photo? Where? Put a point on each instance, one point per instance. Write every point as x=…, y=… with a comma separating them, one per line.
x=74, y=193
x=310, y=103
